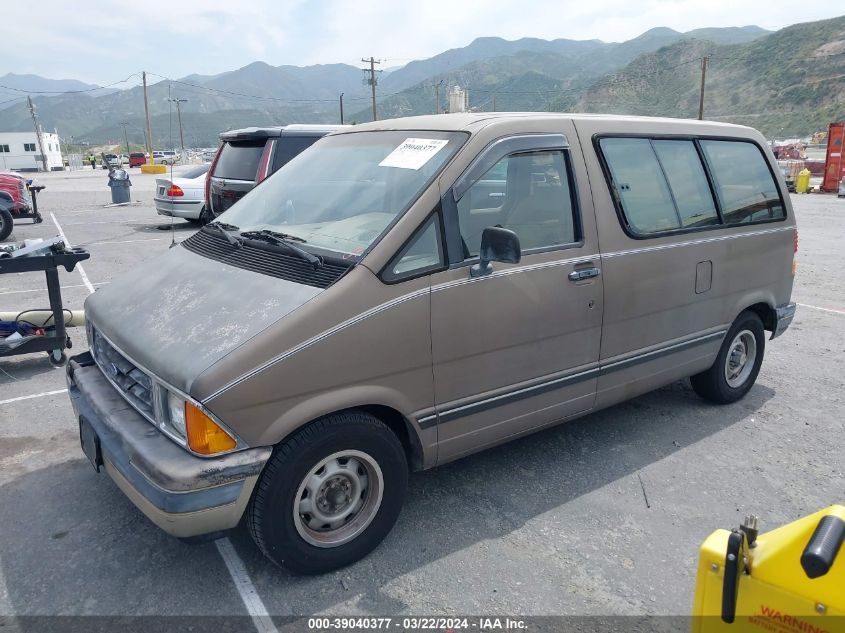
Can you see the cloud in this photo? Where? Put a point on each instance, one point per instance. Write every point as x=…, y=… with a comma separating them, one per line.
x=99, y=41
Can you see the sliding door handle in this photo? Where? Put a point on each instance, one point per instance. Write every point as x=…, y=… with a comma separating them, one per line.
x=584, y=273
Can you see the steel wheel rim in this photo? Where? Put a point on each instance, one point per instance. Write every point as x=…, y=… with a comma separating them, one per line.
x=338, y=498
x=740, y=359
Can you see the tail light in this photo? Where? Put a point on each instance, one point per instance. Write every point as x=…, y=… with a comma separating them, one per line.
x=794, y=251
x=175, y=191
x=208, y=179
x=264, y=164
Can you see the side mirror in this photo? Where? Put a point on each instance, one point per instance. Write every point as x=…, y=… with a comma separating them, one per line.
x=497, y=245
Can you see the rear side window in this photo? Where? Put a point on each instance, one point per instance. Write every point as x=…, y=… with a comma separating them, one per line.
x=661, y=184
x=239, y=160
x=687, y=182
x=289, y=146
x=640, y=185
x=744, y=183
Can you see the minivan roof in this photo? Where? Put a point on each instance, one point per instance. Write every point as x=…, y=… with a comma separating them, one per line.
x=296, y=129
x=468, y=121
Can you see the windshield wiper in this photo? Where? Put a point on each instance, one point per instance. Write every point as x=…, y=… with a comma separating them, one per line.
x=284, y=240
x=282, y=236
x=224, y=229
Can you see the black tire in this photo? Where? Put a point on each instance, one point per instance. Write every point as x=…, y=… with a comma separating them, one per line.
x=206, y=216
x=7, y=223
x=270, y=515
x=713, y=384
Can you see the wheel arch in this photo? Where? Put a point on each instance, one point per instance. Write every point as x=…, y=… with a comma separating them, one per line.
x=401, y=425
x=766, y=312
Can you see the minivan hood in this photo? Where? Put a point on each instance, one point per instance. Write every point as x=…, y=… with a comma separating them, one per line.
x=180, y=313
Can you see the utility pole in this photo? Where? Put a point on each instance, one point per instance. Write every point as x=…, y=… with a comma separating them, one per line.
x=341, y=108
x=437, y=96
x=125, y=138
x=37, y=132
x=177, y=101
x=147, y=115
x=701, y=93
x=372, y=81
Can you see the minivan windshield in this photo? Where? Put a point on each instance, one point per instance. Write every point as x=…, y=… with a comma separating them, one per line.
x=345, y=190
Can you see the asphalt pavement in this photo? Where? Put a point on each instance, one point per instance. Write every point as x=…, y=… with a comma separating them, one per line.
x=600, y=516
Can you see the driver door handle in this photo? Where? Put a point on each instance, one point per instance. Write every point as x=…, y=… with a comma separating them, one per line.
x=584, y=273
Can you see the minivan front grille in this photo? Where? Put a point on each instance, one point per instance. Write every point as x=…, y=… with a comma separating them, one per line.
x=280, y=265
x=133, y=383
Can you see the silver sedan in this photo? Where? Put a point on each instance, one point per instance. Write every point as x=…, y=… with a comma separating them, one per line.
x=183, y=196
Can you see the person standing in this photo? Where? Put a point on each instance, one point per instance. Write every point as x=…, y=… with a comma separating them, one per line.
x=93, y=160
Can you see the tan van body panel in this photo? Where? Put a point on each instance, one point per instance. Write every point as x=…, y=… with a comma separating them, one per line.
x=433, y=344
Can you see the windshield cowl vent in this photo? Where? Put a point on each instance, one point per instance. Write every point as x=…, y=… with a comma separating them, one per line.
x=274, y=264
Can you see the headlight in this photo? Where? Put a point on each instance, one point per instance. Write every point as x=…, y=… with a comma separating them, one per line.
x=176, y=411
x=204, y=435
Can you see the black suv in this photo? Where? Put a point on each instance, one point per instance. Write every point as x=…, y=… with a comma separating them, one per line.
x=248, y=156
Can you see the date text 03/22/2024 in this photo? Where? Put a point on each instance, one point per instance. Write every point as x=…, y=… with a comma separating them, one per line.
x=416, y=623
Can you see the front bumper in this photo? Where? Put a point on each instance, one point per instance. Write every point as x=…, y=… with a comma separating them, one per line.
x=183, y=494
x=783, y=317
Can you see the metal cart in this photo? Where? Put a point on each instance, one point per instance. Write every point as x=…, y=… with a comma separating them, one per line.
x=57, y=341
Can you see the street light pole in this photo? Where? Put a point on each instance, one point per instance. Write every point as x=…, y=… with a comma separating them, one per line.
x=125, y=138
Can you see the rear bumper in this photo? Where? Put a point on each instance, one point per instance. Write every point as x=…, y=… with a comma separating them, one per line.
x=188, y=209
x=783, y=318
x=184, y=495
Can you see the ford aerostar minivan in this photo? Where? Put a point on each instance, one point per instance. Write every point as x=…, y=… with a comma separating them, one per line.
x=407, y=292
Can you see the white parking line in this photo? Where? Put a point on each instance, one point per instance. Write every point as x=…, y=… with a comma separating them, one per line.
x=79, y=267
x=807, y=305
x=149, y=239
x=252, y=601
x=34, y=395
x=17, y=292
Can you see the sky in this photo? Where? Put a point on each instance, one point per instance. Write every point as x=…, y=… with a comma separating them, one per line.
x=105, y=42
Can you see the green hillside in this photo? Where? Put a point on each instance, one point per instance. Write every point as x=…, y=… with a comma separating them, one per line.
x=788, y=83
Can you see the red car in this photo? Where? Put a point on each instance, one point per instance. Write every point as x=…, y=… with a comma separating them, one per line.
x=136, y=159
x=15, y=199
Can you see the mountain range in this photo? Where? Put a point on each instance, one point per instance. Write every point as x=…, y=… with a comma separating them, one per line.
x=784, y=81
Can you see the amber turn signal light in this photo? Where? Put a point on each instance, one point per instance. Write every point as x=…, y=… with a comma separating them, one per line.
x=204, y=435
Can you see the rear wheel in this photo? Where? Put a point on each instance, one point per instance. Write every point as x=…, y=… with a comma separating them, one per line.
x=206, y=216
x=7, y=223
x=330, y=493
x=738, y=363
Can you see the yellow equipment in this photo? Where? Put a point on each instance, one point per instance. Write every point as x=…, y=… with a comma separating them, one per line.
x=802, y=183
x=788, y=580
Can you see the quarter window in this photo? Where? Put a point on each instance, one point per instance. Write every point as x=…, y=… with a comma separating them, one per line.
x=744, y=183
x=423, y=253
x=528, y=193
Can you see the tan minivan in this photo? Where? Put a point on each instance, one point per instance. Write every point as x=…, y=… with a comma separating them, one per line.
x=408, y=292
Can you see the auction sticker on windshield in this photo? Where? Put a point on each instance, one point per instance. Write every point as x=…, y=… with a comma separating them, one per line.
x=413, y=153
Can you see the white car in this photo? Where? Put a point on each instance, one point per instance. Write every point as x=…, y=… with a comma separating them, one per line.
x=184, y=195
x=166, y=157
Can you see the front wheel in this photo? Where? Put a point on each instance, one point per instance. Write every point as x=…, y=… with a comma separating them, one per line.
x=330, y=493
x=738, y=363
